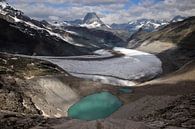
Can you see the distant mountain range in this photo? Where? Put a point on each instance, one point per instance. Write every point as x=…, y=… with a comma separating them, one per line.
x=91, y=20
x=21, y=34
x=147, y=25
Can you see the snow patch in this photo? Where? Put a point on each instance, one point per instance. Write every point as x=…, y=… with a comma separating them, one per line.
x=95, y=24
x=103, y=52
x=3, y=12
x=16, y=19
x=72, y=32
x=66, y=23
x=3, y=5
x=129, y=52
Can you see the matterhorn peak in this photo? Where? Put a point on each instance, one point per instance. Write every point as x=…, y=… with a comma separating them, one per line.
x=91, y=17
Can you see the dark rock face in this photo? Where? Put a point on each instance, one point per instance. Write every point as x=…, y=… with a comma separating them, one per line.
x=188, y=41
x=99, y=38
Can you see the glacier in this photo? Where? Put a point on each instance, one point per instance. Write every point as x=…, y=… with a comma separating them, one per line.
x=119, y=66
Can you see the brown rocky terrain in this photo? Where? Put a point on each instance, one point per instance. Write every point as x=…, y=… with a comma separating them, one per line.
x=163, y=103
x=36, y=94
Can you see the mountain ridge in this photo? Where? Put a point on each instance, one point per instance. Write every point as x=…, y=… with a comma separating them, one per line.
x=147, y=25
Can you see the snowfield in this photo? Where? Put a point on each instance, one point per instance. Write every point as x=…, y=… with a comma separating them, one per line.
x=124, y=67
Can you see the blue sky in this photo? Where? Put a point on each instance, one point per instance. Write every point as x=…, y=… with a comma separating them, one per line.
x=110, y=11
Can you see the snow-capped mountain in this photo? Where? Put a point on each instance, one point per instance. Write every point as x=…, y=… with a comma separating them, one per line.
x=178, y=18
x=32, y=37
x=91, y=20
x=146, y=24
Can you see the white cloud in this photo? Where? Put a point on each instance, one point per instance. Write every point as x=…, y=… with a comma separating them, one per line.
x=111, y=11
x=76, y=2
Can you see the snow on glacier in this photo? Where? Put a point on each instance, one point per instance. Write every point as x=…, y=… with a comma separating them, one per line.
x=122, y=70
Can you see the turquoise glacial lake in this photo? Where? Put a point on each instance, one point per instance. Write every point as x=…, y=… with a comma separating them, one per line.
x=95, y=106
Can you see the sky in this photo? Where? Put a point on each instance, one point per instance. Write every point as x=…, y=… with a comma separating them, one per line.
x=110, y=11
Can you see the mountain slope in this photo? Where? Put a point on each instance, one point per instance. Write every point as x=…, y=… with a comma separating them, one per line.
x=178, y=18
x=178, y=33
x=21, y=34
x=33, y=42
x=174, y=44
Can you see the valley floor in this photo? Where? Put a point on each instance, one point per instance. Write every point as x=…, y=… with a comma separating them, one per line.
x=164, y=103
